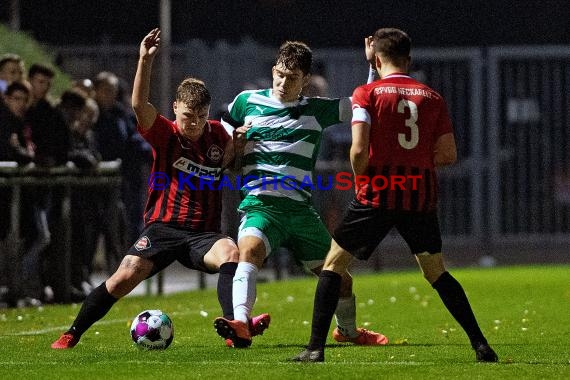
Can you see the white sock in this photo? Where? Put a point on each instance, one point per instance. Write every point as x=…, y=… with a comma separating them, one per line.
x=244, y=290
x=346, y=316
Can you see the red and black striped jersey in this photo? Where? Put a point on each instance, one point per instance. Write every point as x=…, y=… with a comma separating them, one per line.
x=184, y=187
x=406, y=118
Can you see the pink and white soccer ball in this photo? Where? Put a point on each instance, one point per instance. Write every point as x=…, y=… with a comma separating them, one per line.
x=152, y=329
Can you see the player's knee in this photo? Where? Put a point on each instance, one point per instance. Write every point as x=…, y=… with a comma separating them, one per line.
x=233, y=256
x=125, y=279
x=252, y=254
x=223, y=251
x=431, y=264
x=337, y=260
x=230, y=255
x=123, y=275
x=336, y=266
x=132, y=268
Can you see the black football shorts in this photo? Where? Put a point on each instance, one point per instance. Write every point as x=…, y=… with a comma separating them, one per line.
x=363, y=228
x=163, y=244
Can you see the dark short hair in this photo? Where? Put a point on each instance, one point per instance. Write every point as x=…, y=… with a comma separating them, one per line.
x=38, y=68
x=73, y=99
x=193, y=93
x=17, y=86
x=295, y=55
x=393, y=44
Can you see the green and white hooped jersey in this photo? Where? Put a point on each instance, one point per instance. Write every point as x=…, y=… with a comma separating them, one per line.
x=283, y=141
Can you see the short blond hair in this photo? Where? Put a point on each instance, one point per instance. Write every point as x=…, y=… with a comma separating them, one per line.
x=193, y=93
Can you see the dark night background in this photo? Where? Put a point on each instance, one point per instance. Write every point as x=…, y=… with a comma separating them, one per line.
x=321, y=23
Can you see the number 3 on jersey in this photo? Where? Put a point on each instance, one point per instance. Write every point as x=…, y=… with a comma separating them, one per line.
x=410, y=123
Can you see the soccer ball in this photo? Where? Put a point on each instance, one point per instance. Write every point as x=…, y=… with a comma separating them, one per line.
x=152, y=329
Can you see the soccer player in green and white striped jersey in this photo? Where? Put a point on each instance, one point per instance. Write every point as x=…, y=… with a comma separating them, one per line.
x=282, y=132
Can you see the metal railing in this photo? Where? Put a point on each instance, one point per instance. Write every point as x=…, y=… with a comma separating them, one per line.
x=68, y=177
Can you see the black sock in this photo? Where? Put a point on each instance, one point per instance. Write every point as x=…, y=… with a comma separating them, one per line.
x=95, y=306
x=326, y=300
x=225, y=280
x=455, y=300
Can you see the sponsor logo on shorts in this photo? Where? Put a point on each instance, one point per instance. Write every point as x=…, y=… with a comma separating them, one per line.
x=142, y=244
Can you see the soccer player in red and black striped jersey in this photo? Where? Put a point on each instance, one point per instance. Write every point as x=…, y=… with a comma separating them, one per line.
x=401, y=132
x=183, y=211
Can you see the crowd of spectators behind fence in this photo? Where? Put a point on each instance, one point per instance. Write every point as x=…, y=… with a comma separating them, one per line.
x=92, y=121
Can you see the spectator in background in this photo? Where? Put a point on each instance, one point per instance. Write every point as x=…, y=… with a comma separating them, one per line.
x=83, y=137
x=49, y=130
x=11, y=70
x=137, y=168
x=80, y=113
x=15, y=145
x=84, y=151
x=111, y=136
x=117, y=139
x=15, y=140
x=51, y=137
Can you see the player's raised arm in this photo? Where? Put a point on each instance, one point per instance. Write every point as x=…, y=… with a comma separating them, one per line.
x=144, y=110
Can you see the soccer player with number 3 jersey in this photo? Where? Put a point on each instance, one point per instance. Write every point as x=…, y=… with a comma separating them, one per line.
x=399, y=127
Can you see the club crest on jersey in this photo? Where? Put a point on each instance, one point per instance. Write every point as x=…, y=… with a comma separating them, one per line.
x=215, y=153
x=142, y=244
x=190, y=167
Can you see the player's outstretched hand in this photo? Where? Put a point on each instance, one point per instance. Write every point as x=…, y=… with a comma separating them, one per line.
x=150, y=44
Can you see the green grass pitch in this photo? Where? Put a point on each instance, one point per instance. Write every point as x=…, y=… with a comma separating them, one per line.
x=524, y=311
